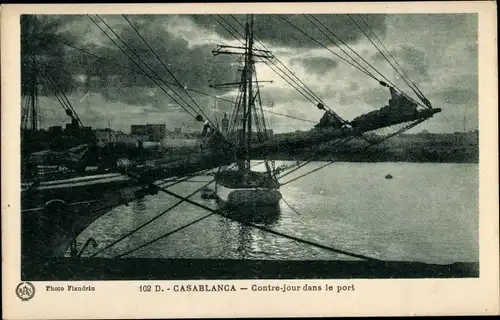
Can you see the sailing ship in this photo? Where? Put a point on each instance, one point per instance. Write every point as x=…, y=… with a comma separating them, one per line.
x=240, y=186
x=56, y=211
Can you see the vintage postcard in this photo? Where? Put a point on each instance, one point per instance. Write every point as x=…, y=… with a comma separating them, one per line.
x=249, y=160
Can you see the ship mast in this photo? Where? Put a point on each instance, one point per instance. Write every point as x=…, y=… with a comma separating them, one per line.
x=247, y=103
x=34, y=97
x=249, y=76
x=30, y=115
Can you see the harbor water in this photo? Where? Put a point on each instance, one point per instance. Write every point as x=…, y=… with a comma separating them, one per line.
x=427, y=212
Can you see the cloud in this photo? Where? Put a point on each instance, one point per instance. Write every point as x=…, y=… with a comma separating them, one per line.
x=409, y=58
x=439, y=52
x=455, y=96
x=317, y=65
x=34, y=43
x=415, y=59
x=188, y=66
x=274, y=29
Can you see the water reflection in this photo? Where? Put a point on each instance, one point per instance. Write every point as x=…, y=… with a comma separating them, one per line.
x=139, y=206
x=224, y=225
x=407, y=218
x=262, y=215
x=244, y=248
x=266, y=215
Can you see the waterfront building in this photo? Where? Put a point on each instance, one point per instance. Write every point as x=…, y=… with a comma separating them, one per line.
x=155, y=132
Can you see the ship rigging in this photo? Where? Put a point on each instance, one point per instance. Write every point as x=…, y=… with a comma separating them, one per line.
x=248, y=116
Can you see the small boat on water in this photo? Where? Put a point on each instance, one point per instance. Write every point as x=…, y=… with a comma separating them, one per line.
x=247, y=188
x=388, y=176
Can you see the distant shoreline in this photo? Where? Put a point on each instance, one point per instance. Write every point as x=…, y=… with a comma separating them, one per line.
x=420, y=155
x=418, y=148
x=460, y=147
x=394, y=159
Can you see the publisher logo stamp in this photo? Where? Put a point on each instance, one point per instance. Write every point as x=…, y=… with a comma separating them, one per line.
x=25, y=291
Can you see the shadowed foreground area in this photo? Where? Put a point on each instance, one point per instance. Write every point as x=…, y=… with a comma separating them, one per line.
x=211, y=269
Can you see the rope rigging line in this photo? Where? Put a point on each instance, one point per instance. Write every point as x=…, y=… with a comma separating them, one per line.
x=144, y=63
x=295, y=84
x=390, y=63
x=166, y=68
x=62, y=98
x=233, y=113
x=261, y=108
x=298, y=85
x=200, y=173
x=295, y=168
x=213, y=79
x=282, y=76
x=316, y=41
x=324, y=46
x=249, y=224
x=164, y=236
x=415, y=88
x=239, y=98
x=295, y=79
x=376, y=70
x=25, y=111
x=197, y=117
x=231, y=27
x=149, y=76
x=301, y=165
x=288, y=116
x=303, y=91
x=307, y=173
x=32, y=111
x=411, y=125
x=336, y=44
x=170, y=208
x=68, y=104
x=56, y=93
x=291, y=208
x=385, y=57
x=387, y=50
x=140, y=72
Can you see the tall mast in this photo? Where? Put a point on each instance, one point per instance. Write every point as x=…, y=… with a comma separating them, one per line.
x=244, y=100
x=249, y=70
x=30, y=115
x=247, y=102
x=34, y=96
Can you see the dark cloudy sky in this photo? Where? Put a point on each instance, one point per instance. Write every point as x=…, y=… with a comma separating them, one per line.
x=438, y=52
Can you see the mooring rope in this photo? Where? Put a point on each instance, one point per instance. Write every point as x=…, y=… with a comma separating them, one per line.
x=149, y=221
x=289, y=206
x=249, y=224
x=164, y=236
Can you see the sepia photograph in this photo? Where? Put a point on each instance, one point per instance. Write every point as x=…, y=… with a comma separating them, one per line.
x=246, y=146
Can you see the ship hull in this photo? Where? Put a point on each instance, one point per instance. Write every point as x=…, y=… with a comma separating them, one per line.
x=55, y=212
x=248, y=196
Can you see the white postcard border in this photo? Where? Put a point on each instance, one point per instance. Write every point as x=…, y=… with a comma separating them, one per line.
x=122, y=299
